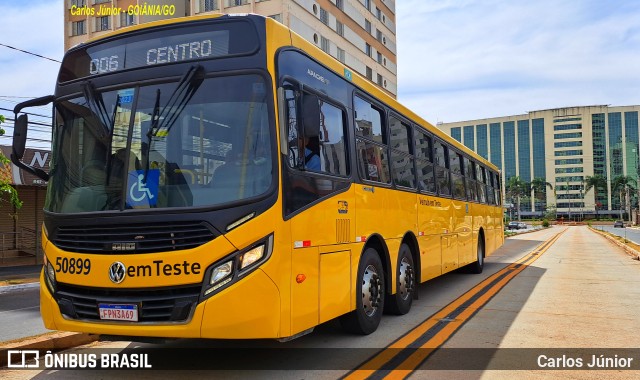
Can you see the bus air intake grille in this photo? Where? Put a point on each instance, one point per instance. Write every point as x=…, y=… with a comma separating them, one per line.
x=157, y=305
x=133, y=238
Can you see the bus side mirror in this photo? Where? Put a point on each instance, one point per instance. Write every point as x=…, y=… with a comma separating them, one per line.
x=20, y=136
x=311, y=115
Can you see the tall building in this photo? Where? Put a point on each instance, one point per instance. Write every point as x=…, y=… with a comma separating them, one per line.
x=564, y=146
x=359, y=33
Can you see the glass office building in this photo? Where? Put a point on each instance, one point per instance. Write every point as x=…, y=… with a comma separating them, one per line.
x=563, y=146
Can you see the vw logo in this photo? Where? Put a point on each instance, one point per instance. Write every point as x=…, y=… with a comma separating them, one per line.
x=117, y=272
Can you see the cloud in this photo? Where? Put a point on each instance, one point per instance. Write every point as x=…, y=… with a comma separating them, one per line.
x=474, y=59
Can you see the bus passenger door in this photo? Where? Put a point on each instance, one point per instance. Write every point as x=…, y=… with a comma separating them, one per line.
x=319, y=205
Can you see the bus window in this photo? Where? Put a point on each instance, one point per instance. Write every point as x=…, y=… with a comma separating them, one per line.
x=331, y=144
x=443, y=178
x=470, y=180
x=482, y=187
x=457, y=179
x=424, y=163
x=401, y=157
x=371, y=142
x=490, y=194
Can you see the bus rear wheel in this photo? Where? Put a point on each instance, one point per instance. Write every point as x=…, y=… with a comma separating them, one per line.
x=369, y=296
x=400, y=303
x=478, y=266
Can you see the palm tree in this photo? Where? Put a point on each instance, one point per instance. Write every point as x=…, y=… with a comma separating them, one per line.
x=517, y=188
x=596, y=182
x=539, y=186
x=622, y=184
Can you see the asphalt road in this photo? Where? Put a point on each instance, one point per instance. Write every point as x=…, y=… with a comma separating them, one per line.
x=20, y=314
x=628, y=233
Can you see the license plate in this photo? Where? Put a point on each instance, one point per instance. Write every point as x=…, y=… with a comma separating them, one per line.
x=118, y=312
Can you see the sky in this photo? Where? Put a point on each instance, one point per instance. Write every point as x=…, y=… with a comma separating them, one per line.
x=457, y=59
x=464, y=59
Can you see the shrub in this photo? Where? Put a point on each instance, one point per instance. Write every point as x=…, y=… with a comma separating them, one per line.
x=545, y=223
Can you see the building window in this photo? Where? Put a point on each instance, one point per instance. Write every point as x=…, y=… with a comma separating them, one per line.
x=277, y=17
x=369, y=73
x=367, y=50
x=103, y=23
x=324, y=16
x=340, y=4
x=100, y=1
x=77, y=28
x=236, y=3
x=324, y=44
x=379, y=35
x=78, y=3
x=379, y=80
x=378, y=13
x=208, y=5
x=367, y=26
x=127, y=19
x=379, y=57
x=340, y=55
x=367, y=4
x=340, y=28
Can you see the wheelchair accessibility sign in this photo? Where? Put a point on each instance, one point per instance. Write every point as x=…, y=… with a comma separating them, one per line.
x=141, y=191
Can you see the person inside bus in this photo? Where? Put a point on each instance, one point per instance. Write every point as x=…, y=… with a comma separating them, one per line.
x=312, y=153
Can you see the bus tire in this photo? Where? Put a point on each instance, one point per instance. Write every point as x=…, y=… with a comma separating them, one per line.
x=369, y=296
x=478, y=266
x=400, y=303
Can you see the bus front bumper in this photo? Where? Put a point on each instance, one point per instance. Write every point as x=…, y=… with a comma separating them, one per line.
x=247, y=310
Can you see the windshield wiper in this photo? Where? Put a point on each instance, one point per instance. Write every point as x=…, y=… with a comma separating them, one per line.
x=165, y=118
x=178, y=100
x=96, y=105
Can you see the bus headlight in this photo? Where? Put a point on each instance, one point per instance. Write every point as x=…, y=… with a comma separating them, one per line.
x=236, y=265
x=221, y=272
x=49, y=275
x=251, y=256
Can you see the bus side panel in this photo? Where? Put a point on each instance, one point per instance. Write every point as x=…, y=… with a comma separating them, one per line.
x=335, y=287
x=463, y=226
x=305, y=280
x=430, y=257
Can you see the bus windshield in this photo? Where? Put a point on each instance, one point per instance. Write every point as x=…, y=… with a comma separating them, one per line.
x=179, y=144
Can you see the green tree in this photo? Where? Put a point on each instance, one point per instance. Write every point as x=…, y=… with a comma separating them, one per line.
x=595, y=182
x=6, y=190
x=622, y=184
x=515, y=189
x=539, y=186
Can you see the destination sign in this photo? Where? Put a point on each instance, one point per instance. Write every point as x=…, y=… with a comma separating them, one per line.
x=160, y=47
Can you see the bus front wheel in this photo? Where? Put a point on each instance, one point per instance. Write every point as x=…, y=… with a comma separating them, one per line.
x=400, y=303
x=369, y=296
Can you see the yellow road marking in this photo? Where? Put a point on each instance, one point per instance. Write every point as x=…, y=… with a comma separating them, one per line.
x=418, y=356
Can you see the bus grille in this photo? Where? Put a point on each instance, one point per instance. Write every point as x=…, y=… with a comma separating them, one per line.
x=133, y=238
x=156, y=305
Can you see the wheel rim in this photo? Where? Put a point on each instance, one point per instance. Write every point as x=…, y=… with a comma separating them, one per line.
x=405, y=285
x=371, y=292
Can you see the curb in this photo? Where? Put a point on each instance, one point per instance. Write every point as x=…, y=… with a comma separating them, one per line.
x=632, y=252
x=18, y=287
x=56, y=341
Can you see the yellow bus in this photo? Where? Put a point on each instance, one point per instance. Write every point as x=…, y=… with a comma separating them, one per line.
x=221, y=177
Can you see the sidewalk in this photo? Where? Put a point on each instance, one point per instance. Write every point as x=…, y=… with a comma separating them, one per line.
x=14, y=279
x=19, y=277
